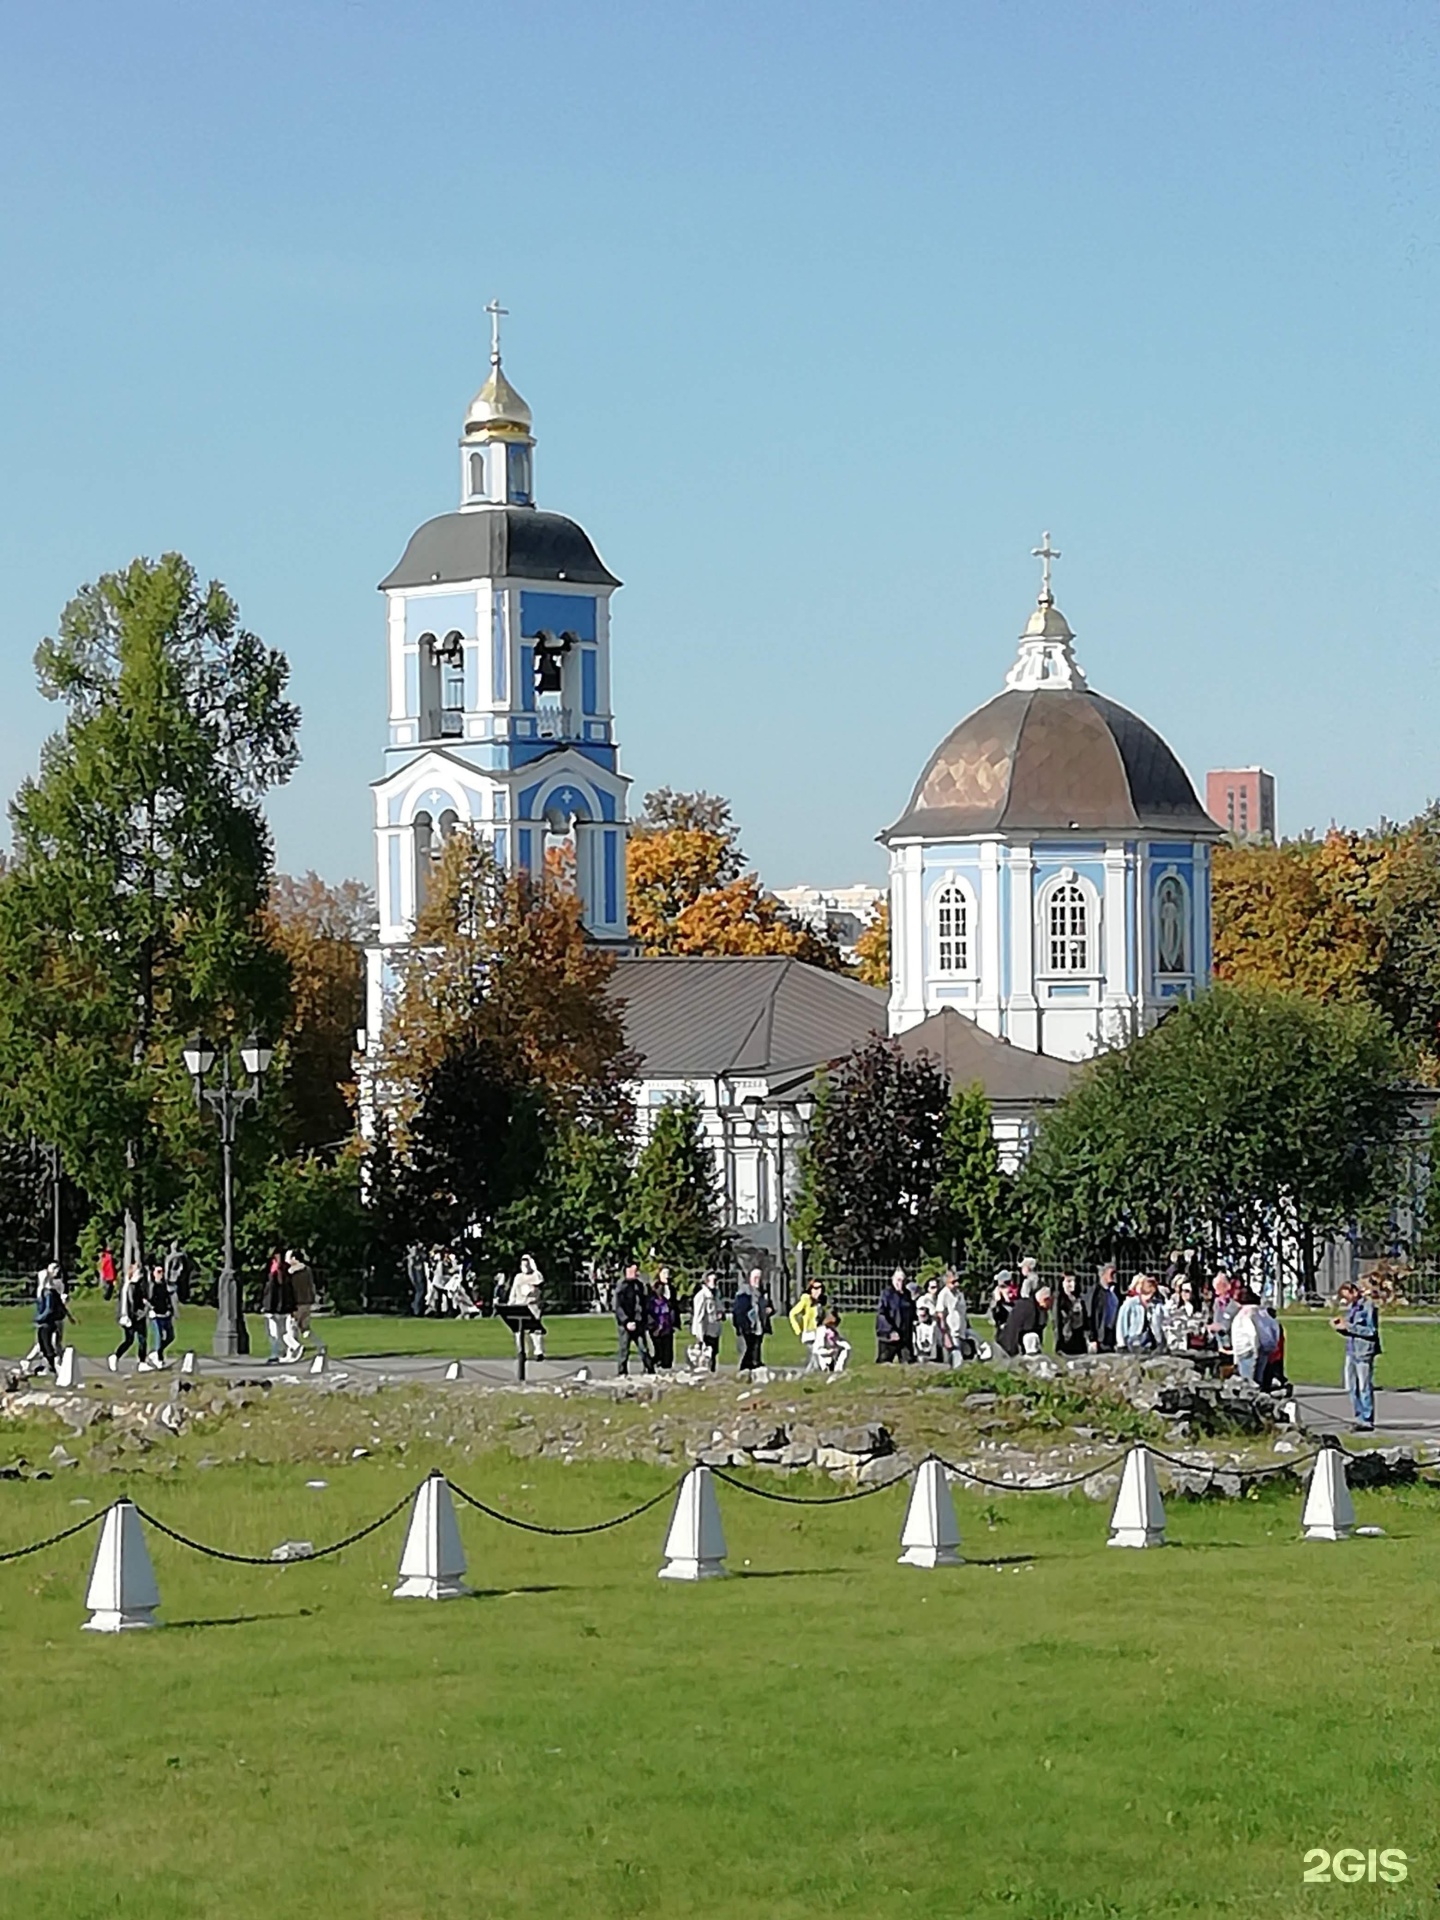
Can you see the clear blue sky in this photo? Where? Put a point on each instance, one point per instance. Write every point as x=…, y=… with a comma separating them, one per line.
x=824, y=313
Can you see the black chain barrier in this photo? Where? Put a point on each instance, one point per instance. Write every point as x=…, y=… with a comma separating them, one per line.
x=269, y=1560
x=811, y=1500
x=566, y=1533
x=19, y=1553
x=1049, y=1486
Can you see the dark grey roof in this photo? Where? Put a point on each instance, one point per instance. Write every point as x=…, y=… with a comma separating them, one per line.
x=1051, y=759
x=967, y=1053
x=500, y=543
x=700, y=1017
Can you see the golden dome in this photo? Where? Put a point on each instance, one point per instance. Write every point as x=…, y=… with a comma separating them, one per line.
x=497, y=410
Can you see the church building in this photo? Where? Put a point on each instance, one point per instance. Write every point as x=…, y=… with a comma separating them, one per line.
x=498, y=656
x=1050, y=878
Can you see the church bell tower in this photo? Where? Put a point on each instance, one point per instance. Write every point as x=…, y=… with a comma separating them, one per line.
x=498, y=677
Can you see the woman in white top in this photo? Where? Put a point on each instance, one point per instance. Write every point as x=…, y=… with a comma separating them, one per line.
x=525, y=1291
x=1245, y=1340
x=705, y=1321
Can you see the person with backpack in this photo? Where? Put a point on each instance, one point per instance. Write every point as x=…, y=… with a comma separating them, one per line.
x=130, y=1312
x=51, y=1313
x=161, y=1306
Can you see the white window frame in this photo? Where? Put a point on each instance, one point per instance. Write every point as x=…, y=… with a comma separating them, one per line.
x=949, y=890
x=1078, y=894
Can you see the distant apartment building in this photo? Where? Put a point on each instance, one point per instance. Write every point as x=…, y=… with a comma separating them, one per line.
x=1242, y=801
x=842, y=912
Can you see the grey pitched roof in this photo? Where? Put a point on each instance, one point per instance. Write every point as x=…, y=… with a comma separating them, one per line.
x=1052, y=759
x=699, y=1017
x=500, y=543
x=967, y=1053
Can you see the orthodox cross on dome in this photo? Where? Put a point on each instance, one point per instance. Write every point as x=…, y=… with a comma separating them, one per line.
x=498, y=313
x=1045, y=553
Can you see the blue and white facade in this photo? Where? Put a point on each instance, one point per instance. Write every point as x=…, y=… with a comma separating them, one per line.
x=498, y=678
x=1051, y=878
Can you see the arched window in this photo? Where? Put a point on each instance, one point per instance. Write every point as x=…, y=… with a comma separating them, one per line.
x=952, y=931
x=1068, y=928
x=477, y=473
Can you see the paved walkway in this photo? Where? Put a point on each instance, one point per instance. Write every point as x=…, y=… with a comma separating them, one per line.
x=1400, y=1412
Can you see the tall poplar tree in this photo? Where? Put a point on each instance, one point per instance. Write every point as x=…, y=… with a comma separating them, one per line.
x=131, y=913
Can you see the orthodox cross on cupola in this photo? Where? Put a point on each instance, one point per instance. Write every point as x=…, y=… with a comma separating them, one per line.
x=1045, y=553
x=498, y=313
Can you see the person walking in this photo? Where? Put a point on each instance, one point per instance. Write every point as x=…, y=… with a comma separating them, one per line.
x=1102, y=1312
x=1003, y=1295
x=745, y=1317
x=630, y=1321
x=660, y=1312
x=51, y=1313
x=130, y=1312
x=1030, y=1282
x=161, y=1308
x=895, y=1321
x=277, y=1303
x=105, y=1272
x=1072, y=1333
x=1359, y=1323
x=302, y=1285
x=705, y=1320
x=527, y=1289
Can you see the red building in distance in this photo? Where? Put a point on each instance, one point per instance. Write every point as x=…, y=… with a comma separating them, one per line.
x=1242, y=801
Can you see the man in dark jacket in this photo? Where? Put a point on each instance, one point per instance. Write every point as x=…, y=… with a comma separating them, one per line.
x=895, y=1320
x=1102, y=1310
x=630, y=1304
x=1026, y=1316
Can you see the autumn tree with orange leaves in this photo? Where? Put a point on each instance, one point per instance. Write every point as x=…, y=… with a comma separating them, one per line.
x=688, y=891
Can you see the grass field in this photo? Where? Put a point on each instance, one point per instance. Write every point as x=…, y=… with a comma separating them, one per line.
x=1052, y=1730
x=1313, y=1351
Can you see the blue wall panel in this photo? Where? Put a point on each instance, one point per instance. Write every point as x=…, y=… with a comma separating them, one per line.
x=612, y=879
x=556, y=613
x=589, y=662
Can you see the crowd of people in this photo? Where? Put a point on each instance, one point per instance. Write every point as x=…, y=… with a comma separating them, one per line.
x=1214, y=1319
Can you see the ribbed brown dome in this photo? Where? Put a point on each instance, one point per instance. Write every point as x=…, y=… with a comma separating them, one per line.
x=1051, y=759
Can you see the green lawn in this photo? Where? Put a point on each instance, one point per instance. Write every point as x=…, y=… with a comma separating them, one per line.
x=1052, y=1730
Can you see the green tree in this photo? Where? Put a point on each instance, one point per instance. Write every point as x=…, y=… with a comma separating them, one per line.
x=322, y=931
x=973, y=1194
x=314, y=1203
x=131, y=912
x=572, y=1214
x=673, y=1211
x=1245, y=1114
x=876, y=1155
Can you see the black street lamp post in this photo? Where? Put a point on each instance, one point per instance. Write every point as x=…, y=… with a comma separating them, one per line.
x=227, y=1102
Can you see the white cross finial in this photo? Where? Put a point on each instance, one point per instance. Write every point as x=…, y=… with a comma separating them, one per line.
x=1045, y=553
x=497, y=313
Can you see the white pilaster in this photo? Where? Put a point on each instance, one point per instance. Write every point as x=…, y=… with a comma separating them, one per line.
x=1022, y=1023
x=987, y=1004
x=1117, y=865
